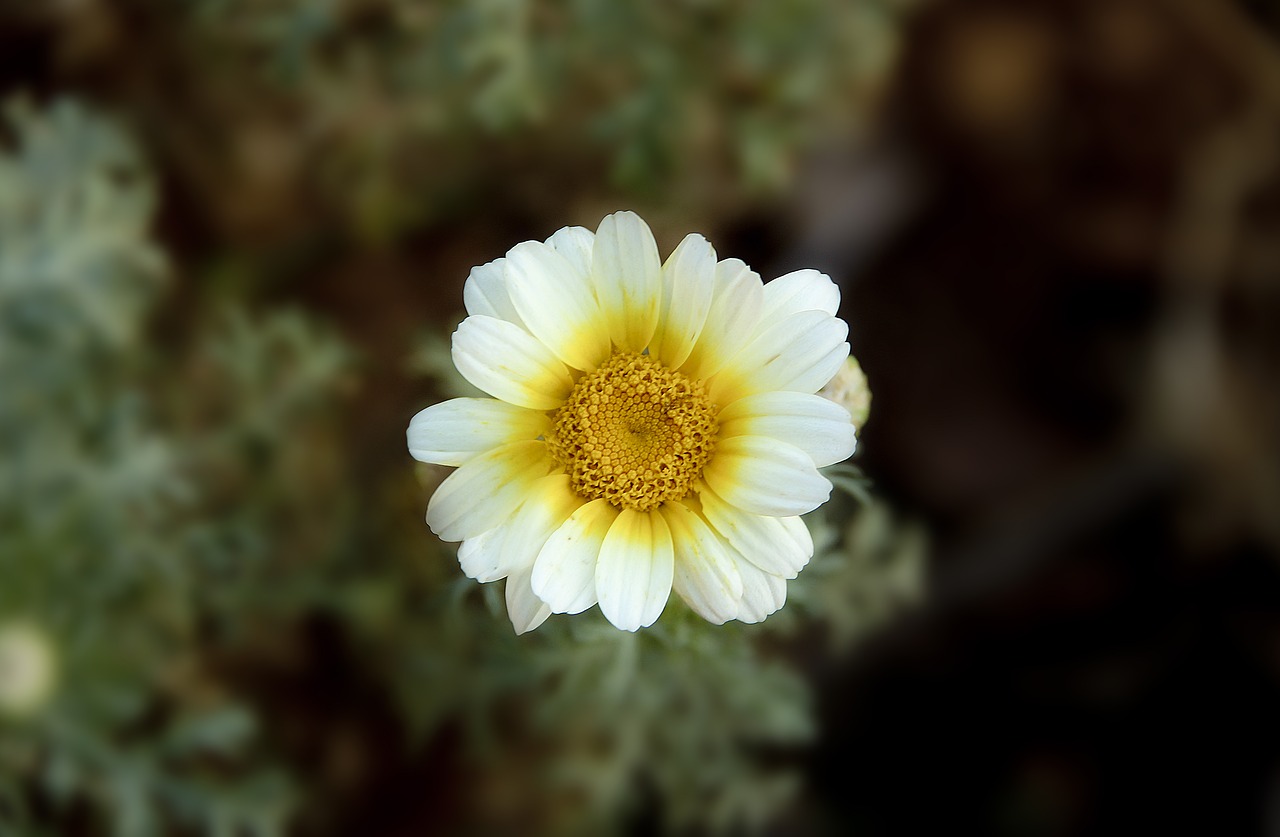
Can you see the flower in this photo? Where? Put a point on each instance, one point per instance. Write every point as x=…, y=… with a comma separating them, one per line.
x=26, y=669
x=849, y=389
x=653, y=427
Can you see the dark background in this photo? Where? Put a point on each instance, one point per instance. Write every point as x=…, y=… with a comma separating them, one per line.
x=1073, y=343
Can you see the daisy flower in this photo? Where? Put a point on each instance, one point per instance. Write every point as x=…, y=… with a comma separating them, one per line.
x=653, y=427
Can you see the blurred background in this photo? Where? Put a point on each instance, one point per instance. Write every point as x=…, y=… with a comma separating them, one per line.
x=233, y=237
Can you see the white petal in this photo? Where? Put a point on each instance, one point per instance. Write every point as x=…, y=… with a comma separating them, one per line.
x=451, y=432
x=564, y=573
x=513, y=545
x=485, y=293
x=486, y=490
x=557, y=304
x=688, y=285
x=800, y=353
x=627, y=276
x=575, y=244
x=731, y=320
x=509, y=363
x=819, y=427
x=801, y=290
x=546, y=507
x=800, y=535
x=481, y=556
x=765, y=476
x=634, y=573
x=774, y=544
x=525, y=609
x=705, y=576
x=762, y=593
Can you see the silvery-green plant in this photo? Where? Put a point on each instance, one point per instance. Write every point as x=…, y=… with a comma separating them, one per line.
x=91, y=539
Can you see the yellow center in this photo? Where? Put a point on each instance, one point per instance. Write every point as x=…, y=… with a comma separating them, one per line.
x=634, y=432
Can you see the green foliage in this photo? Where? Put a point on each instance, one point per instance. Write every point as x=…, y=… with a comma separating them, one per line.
x=77, y=267
x=688, y=712
x=869, y=563
x=92, y=542
x=707, y=102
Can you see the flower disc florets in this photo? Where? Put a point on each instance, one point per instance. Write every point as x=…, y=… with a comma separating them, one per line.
x=634, y=432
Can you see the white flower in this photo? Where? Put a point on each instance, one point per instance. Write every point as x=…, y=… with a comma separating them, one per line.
x=654, y=427
x=26, y=669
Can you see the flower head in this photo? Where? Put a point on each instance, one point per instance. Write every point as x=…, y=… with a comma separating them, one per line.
x=27, y=669
x=849, y=389
x=654, y=427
